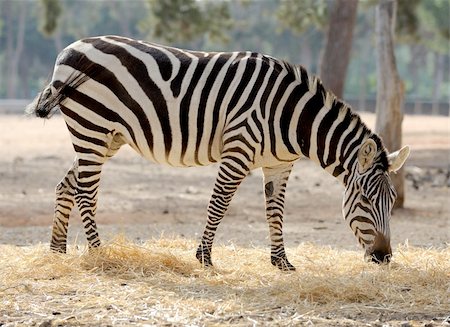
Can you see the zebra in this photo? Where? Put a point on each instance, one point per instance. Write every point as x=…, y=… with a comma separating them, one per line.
x=242, y=110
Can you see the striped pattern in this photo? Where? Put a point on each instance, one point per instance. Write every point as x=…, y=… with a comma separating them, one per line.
x=184, y=108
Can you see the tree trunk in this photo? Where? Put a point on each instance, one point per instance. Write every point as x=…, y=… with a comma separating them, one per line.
x=335, y=59
x=389, y=111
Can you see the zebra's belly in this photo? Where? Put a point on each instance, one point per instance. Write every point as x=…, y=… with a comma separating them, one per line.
x=175, y=156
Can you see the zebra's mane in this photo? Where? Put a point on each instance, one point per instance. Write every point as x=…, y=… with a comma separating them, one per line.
x=332, y=102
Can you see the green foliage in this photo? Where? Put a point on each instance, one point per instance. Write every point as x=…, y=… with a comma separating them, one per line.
x=424, y=22
x=434, y=26
x=50, y=12
x=299, y=16
x=407, y=24
x=185, y=20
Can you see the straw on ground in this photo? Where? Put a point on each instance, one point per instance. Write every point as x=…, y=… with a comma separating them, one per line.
x=160, y=282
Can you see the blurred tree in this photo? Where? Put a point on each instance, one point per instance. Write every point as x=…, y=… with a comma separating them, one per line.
x=390, y=91
x=169, y=20
x=424, y=26
x=336, y=57
x=335, y=18
x=299, y=16
x=16, y=14
x=178, y=21
x=50, y=11
x=308, y=20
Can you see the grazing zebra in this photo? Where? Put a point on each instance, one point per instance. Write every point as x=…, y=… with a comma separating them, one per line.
x=244, y=110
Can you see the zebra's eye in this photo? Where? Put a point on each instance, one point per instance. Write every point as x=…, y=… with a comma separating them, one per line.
x=364, y=199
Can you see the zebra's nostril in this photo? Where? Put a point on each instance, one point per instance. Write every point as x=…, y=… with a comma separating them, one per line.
x=380, y=257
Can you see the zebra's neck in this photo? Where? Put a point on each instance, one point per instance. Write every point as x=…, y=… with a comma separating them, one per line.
x=329, y=132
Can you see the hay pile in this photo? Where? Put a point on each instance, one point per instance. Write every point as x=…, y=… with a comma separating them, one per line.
x=161, y=283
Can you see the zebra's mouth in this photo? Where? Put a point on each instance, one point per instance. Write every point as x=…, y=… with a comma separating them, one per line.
x=378, y=257
x=380, y=252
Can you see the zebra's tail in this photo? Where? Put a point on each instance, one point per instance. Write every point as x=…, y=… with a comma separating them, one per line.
x=48, y=101
x=42, y=104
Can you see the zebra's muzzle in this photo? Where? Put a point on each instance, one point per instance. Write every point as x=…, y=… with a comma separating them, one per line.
x=381, y=251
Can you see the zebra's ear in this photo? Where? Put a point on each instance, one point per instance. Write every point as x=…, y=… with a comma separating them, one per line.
x=366, y=154
x=397, y=159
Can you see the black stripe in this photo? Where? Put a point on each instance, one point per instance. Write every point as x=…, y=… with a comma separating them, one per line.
x=360, y=206
x=335, y=138
x=237, y=161
x=84, y=122
x=286, y=115
x=81, y=185
x=79, y=149
x=270, y=84
x=245, y=78
x=355, y=156
x=307, y=117
x=366, y=231
x=86, y=138
x=287, y=80
x=340, y=169
x=241, y=139
x=163, y=61
x=254, y=91
x=185, y=62
x=361, y=219
x=186, y=103
x=243, y=124
x=226, y=83
x=87, y=174
x=260, y=129
x=220, y=62
x=83, y=162
x=323, y=129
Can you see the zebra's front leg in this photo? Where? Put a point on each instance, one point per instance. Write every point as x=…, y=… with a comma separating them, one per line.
x=231, y=173
x=275, y=181
x=65, y=192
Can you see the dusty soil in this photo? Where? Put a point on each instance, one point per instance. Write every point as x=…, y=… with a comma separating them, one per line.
x=143, y=200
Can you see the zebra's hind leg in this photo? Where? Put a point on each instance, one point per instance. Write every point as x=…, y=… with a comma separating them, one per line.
x=86, y=197
x=231, y=173
x=90, y=165
x=65, y=192
x=275, y=181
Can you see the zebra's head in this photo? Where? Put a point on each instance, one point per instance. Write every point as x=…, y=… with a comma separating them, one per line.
x=370, y=196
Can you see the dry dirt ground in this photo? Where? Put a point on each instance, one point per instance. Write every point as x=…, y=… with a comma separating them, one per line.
x=143, y=200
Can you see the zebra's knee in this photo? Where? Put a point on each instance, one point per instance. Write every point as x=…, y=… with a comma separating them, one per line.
x=62, y=188
x=67, y=186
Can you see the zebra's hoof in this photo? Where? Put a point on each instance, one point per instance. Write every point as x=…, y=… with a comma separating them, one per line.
x=58, y=248
x=204, y=257
x=94, y=250
x=282, y=264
